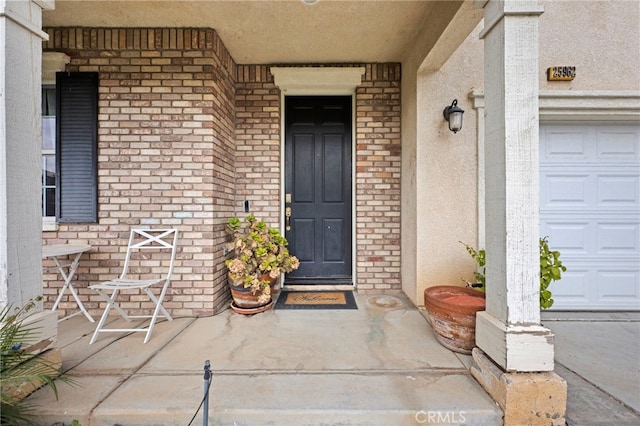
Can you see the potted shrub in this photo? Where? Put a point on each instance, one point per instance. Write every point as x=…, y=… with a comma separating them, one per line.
x=551, y=269
x=260, y=256
x=22, y=368
x=451, y=310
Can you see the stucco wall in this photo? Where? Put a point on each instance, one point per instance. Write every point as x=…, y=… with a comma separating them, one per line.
x=427, y=87
x=447, y=170
x=409, y=186
x=600, y=38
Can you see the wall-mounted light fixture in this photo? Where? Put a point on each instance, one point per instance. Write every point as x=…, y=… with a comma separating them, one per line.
x=309, y=2
x=453, y=114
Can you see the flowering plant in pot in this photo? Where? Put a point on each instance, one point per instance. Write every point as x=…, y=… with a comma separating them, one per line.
x=260, y=256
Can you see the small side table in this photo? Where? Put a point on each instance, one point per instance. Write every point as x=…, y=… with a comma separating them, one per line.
x=55, y=251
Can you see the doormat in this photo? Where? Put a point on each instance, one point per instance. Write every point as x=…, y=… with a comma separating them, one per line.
x=316, y=300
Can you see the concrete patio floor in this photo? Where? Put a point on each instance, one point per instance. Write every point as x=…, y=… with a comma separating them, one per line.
x=378, y=365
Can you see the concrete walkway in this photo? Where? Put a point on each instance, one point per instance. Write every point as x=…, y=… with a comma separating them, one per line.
x=378, y=365
x=598, y=354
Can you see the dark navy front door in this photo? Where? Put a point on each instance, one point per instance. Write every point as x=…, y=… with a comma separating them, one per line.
x=318, y=188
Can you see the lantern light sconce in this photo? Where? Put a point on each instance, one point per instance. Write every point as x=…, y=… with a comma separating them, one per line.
x=453, y=114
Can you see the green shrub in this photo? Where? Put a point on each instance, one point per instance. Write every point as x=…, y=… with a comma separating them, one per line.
x=551, y=269
x=19, y=368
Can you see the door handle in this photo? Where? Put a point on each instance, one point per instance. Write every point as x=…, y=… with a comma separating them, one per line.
x=287, y=218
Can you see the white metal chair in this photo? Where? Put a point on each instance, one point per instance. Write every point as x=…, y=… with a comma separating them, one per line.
x=142, y=242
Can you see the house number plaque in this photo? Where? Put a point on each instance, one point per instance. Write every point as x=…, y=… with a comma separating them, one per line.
x=561, y=73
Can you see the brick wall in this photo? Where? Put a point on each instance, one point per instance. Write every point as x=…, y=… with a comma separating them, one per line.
x=186, y=136
x=165, y=152
x=377, y=172
x=258, y=143
x=377, y=177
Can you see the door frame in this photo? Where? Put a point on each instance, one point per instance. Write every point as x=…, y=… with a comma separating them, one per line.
x=320, y=81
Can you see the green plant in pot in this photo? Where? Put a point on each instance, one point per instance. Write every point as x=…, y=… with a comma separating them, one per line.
x=22, y=370
x=451, y=310
x=551, y=269
x=260, y=256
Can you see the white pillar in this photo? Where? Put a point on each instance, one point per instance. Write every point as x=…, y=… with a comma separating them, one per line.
x=477, y=97
x=20, y=150
x=509, y=331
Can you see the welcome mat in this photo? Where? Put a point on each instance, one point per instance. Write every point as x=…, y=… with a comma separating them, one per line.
x=316, y=300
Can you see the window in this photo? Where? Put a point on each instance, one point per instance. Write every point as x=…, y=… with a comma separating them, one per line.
x=49, y=151
x=70, y=149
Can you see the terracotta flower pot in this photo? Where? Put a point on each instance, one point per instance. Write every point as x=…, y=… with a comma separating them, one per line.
x=451, y=311
x=244, y=297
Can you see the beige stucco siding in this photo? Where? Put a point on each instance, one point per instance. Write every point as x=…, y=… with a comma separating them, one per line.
x=447, y=172
x=600, y=38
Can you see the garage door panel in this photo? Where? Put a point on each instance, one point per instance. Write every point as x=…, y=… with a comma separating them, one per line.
x=572, y=289
x=593, y=239
x=570, y=238
x=618, y=287
x=619, y=143
x=587, y=286
x=618, y=238
x=565, y=144
x=618, y=191
x=590, y=209
x=564, y=190
x=614, y=189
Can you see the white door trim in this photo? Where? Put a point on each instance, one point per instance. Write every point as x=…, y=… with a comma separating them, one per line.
x=317, y=80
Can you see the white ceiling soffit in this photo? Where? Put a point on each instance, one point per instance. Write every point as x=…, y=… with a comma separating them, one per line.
x=270, y=31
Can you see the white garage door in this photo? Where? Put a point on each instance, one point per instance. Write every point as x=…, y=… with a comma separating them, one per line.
x=590, y=209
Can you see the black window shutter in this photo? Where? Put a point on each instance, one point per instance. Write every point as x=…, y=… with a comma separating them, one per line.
x=77, y=147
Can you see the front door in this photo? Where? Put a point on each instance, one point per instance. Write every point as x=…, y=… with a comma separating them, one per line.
x=318, y=188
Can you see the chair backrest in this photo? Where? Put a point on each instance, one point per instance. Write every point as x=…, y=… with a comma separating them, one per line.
x=143, y=240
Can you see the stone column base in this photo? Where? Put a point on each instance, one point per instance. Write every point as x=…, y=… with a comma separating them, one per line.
x=525, y=398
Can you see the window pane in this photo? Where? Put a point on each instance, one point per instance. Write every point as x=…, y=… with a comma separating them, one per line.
x=49, y=100
x=48, y=133
x=50, y=202
x=50, y=170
